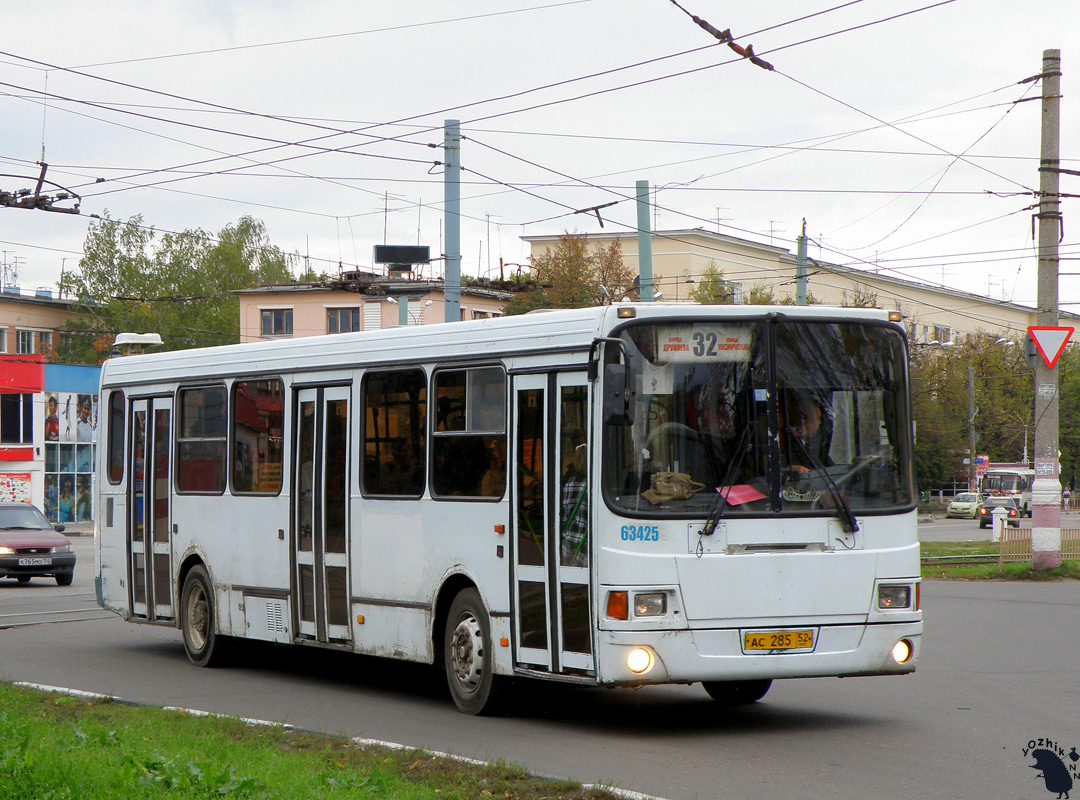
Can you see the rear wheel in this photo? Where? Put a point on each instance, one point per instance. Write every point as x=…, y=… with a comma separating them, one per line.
x=469, y=656
x=198, y=620
x=65, y=579
x=736, y=693
x=22, y=578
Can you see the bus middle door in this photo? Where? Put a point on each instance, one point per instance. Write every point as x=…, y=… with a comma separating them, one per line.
x=551, y=512
x=320, y=475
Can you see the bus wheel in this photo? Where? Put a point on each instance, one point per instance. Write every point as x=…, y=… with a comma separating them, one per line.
x=203, y=645
x=736, y=693
x=468, y=655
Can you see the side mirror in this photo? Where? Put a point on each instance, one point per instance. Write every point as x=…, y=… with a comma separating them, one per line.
x=58, y=527
x=618, y=396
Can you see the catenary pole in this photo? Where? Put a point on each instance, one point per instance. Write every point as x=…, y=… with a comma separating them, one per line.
x=452, y=215
x=1046, y=492
x=800, y=268
x=644, y=244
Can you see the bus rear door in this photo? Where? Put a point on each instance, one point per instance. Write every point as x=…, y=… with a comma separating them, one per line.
x=149, y=508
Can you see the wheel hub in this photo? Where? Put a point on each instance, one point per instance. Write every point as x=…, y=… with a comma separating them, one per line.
x=467, y=653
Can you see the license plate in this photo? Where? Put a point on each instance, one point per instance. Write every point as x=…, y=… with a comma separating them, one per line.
x=35, y=562
x=778, y=640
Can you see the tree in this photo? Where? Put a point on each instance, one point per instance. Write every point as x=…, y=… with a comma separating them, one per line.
x=712, y=289
x=570, y=275
x=177, y=284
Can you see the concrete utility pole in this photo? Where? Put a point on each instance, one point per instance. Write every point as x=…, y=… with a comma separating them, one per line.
x=452, y=213
x=800, y=268
x=644, y=244
x=973, y=478
x=1046, y=492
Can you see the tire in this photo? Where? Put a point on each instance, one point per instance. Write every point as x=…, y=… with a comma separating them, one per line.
x=65, y=579
x=204, y=646
x=22, y=578
x=736, y=693
x=468, y=655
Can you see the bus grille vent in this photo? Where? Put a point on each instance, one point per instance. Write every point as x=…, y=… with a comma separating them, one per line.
x=275, y=618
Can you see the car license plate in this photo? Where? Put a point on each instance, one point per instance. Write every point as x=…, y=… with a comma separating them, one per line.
x=35, y=562
x=778, y=640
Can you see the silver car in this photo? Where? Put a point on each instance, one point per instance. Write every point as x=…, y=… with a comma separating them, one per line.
x=964, y=505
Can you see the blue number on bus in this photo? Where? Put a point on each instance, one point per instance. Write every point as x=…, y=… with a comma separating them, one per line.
x=640, y=533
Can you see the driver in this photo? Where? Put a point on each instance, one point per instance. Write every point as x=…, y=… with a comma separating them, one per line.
x=800, y=417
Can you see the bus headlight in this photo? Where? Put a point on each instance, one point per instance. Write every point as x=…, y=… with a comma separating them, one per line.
x=639, y=660
x=650, y=604
x=892, y=596
x=902, y=651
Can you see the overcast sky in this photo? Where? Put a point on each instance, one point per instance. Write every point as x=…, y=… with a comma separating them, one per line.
x=190, y=114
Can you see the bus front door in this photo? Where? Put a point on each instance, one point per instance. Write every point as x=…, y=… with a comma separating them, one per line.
x=320, y=477
x=149, y=520
x=552, y=618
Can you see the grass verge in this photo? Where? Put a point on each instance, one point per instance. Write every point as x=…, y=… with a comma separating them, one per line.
x=1020, y=570
x=56, y=747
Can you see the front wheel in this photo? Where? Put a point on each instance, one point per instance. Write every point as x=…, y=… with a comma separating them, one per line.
x=202, y=643
x=469, y=656
x=65, y=578
x=736, y=693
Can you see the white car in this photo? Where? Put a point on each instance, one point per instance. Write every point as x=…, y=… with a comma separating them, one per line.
x=964, y=505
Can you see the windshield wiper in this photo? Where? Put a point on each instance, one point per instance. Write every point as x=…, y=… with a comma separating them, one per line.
x=725, y=483
x=843, y=507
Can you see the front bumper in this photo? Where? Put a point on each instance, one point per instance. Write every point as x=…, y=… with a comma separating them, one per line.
x=688, y=656
x=58, y=564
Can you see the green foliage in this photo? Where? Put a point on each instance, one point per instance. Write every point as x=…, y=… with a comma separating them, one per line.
x=712, y=289
x=133, y=279
x=1004, y=392
x=570, y=275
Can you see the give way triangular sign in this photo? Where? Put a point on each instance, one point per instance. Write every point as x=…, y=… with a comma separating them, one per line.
x=1050, y=340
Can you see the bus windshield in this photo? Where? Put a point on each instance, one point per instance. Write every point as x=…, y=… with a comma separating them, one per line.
x=762, y=416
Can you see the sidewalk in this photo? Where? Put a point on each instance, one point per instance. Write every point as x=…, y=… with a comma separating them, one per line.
x=78, y=528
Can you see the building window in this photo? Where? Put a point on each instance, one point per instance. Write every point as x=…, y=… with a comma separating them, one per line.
x=942, y=333
x=395, y=410
x=202, y=444
x=24, y=343
x=342, y=320
x=372, y=316
x=277, y=322
x=16, y=418
x=470, y=433
x=46, y=341
x=257, y=422
x=3, y=340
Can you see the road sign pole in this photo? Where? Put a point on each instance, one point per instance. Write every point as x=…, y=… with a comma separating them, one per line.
x=1046, y=492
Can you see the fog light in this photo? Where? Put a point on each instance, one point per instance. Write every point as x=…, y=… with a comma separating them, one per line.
x=902, y=651
x=653, y=604
x=639, y=660
x=890, y=597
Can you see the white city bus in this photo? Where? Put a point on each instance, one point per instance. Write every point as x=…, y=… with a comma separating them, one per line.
x=615, y=496
x=1014, y=482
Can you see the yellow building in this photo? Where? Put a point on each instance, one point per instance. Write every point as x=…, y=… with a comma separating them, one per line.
x=931, y=313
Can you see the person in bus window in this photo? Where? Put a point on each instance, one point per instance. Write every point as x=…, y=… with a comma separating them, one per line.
x=802, y=438
x=574, y=511
x=494, y=479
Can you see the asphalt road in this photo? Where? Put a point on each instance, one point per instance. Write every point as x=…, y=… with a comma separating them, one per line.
x=1000, y=665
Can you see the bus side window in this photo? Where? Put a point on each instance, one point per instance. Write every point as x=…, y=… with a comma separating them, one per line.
x=395, y=411
x=115, y=452
x=469, y=440
x=202, y=444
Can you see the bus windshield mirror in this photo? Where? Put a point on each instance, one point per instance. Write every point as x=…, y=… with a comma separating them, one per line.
x=618, y=396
